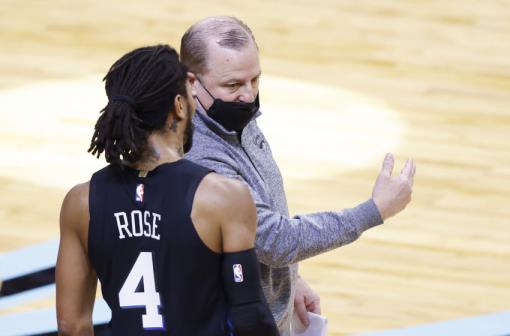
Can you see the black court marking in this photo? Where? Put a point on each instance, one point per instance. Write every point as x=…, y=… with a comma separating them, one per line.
x=27, y=282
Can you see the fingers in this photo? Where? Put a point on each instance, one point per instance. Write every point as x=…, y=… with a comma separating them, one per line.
x=411, y=177
x=388, y=163
x=313, y=302
x=301, y=311
x=314, y=307
x=408, y=171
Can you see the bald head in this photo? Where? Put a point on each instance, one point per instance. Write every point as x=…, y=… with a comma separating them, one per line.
x=223, y=31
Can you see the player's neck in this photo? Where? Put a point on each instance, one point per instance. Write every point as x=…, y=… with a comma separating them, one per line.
x=160, y=149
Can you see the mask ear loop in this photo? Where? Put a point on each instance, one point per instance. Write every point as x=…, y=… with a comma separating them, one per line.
x=202, y=84
x=201, y=104
x=209, y=93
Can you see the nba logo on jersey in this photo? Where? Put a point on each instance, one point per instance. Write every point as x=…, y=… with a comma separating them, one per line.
x=238, y=273
x=139, y=192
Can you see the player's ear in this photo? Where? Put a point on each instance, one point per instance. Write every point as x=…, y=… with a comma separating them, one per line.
x=180, y=106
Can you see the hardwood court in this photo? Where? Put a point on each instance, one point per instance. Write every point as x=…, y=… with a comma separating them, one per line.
x=344, y=82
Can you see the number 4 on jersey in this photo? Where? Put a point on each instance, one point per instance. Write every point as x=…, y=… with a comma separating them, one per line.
x=143, y=270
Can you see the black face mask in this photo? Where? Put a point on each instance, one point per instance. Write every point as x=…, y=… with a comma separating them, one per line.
x=234, y=116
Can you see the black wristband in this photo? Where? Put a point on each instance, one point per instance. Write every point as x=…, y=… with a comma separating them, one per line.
x=241, y=279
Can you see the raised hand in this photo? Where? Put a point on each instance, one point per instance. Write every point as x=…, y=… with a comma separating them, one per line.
x=391, y=194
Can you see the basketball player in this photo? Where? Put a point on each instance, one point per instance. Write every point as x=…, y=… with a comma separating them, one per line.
x=223, y=57
x=170, y=241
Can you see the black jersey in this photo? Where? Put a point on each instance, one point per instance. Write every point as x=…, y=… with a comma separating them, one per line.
x=156, y=274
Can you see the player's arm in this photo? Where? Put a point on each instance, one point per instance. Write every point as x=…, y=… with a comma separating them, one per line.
x=225, y=218
x=75, y=278
x=249, y=312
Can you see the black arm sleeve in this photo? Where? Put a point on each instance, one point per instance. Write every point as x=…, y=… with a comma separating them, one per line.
x=249, y=311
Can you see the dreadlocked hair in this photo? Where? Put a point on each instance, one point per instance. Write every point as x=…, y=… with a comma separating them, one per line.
x=141, y=88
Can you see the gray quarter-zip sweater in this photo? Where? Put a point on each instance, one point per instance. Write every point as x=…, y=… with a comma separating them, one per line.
x=281, y=241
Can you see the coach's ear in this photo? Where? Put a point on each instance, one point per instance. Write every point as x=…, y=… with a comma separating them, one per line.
x=193, y=81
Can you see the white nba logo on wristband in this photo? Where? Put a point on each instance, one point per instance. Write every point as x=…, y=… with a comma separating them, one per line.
x=238, y=272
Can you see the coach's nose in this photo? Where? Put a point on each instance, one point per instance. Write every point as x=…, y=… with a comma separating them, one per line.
x=247, y=93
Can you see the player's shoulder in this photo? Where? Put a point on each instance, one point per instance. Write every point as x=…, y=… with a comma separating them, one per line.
x=226, y=186
x=75, y=206
x=79, y=192
x=227, y=194
x=225, y=203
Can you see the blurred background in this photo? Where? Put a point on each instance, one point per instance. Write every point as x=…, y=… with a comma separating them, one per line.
x=343, y=83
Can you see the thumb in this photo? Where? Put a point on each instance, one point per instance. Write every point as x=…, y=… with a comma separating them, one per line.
x=388, y=163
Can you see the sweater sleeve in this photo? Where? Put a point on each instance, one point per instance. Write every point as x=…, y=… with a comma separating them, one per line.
x=281, y=240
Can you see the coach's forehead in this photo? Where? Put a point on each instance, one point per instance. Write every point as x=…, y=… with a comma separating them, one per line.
x=224, y=62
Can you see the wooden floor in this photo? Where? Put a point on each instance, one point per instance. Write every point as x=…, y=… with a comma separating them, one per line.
x=344, y=82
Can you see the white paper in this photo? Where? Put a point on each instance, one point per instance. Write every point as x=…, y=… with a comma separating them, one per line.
x=318, y=325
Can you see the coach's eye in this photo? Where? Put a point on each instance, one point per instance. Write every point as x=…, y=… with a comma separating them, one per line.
x=232, y=86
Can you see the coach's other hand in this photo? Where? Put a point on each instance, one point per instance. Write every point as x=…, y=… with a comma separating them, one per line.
x=305, y=300
x=391, y=194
